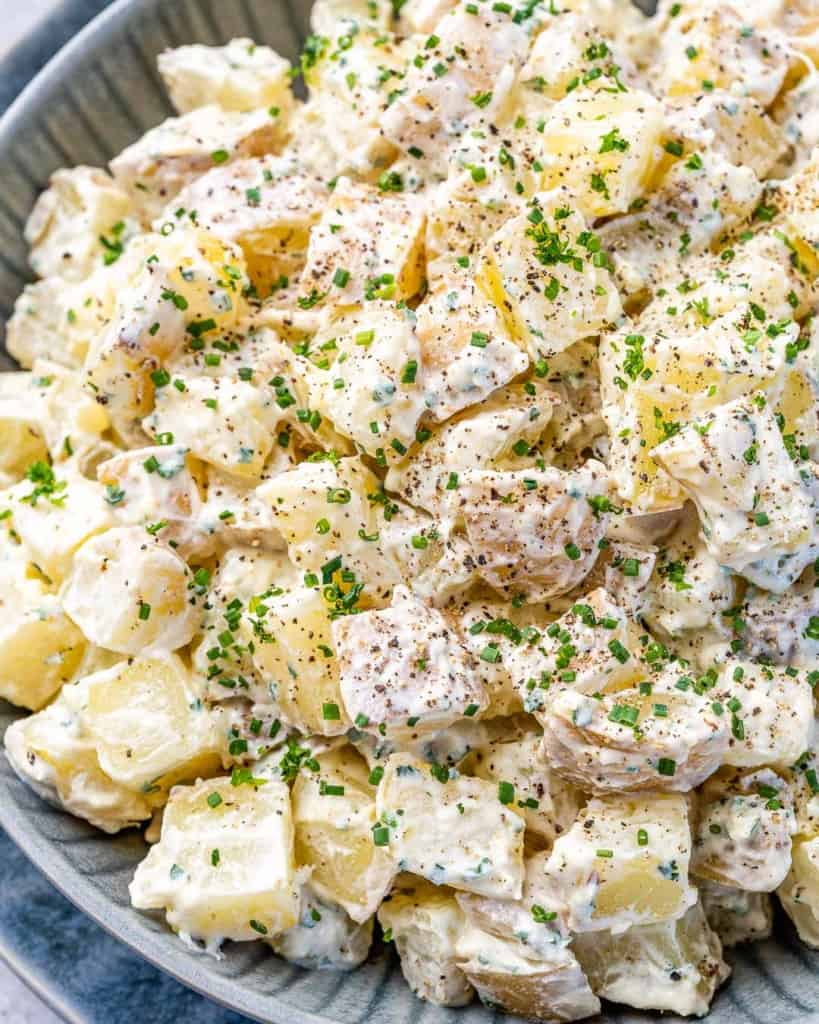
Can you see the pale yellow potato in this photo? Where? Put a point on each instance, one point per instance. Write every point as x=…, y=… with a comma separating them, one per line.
x=64, y=230
x=155, y=169
x=675, y=965
x=553, y=988
x=547, y=804
x=53, y=511
x=551, y=289
x=453, y=830
x=52, y=754
x=375, y=236
x=533, y=532
x=604, y=146
x=424, y=921
x=148, y=725
x=242, y=75
x=223, y=867
x=743, y=833
x=736, y=916
x=624, y=862
x=334, y=833
x=659, y=737
x=799, y=893
x=294, y=656
x=131, y=593
x=40, y=647
x=403, y=671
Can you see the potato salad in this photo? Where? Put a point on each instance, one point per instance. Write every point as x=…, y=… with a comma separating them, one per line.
x=409, y=497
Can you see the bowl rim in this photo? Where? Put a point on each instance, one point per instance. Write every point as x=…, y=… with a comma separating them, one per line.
x=38, y=849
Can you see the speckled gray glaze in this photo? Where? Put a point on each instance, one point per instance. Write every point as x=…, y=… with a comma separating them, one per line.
x=99, y=94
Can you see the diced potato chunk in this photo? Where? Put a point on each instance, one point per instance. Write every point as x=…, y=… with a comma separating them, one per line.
x=453, y=831
x=736, y=916
x=425, y=921
x=625, y=862
x=546, y=273
x=771, y=714
x=80, y=207
x=130, y=593
x=471, y=55
x=239, y=76
x=223, y=868
x=374, y=388
x=594, y=642
x=40, y=648
x=375, y=239
x=534, y=532
x=52, y=512
x=293, y=654
x=404, y=670
x=547, y=804
x=158, y=166
x=604, y=145
x=223, y=421
x=334, y=812
x=799, y=893
x=148, y=725
x=656, y=737
x=504, y=976
x=758, y=518
x=675, y=965
x=744, y=829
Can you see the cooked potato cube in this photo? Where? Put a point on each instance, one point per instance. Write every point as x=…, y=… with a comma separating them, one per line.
x=771, y=714
x=709, y=42
x=625, y=862
x=130, y=593
x=546, y=273
x=290, y=631
x=534, y=532
x=553, y=988
x=40, y=647
x=470, y=55
x=455, y=831
x=66, y=228
x=594, y=642
x=799, y=895
x=369, y=239
x=373, y=390
x=547, y=804
x=239, y=76
x=403, y=670
x=659, y=736
x=334, y=813
x=425, y=921
x=744, y=829
x=223, y=421
x=604, y=145
x=51, y=753
x=52, y=513
x=736, y=916
x=223, y=868
x=758, y=518
x=675, y=965
x=158, y=166
x=148, y=725
x=325, y=937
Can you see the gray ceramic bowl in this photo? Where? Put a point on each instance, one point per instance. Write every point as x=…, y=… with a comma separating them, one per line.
x=96, y=96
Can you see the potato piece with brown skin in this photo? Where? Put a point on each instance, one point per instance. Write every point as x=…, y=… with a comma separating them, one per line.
x=655, y=736
x=533, y=532
x=743, y=835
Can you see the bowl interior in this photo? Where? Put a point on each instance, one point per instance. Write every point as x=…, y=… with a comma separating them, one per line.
x=100, y=94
